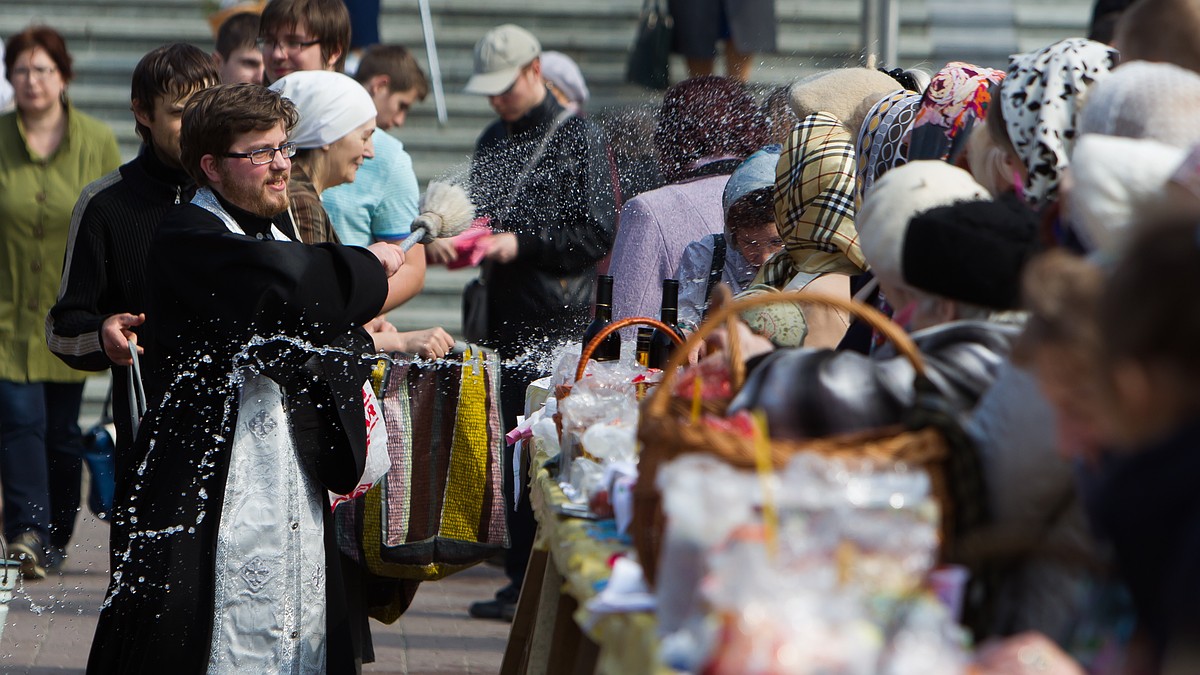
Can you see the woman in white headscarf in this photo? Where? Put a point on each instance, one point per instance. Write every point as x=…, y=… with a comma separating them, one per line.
x=1038, y=116
x=333, y=139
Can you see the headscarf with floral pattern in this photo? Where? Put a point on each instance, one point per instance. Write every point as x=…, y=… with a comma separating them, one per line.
x=956, y=99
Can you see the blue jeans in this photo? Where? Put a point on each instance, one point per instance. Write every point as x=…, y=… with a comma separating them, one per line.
x=40, y=458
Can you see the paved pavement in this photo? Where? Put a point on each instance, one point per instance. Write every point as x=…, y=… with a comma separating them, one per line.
x=51, y=622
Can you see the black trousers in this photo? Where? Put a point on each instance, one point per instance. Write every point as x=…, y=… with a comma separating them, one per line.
x=522, y=526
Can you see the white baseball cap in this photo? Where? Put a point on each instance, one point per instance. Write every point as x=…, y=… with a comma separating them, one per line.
x=499, y=57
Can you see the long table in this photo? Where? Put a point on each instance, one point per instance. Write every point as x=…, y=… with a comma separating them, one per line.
x=553, y=632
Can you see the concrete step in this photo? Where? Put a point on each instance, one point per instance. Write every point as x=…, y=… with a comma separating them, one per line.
x=439, y=304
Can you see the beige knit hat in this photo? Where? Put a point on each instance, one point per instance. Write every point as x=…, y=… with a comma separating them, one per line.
x=845, y=93
x=1158, y=101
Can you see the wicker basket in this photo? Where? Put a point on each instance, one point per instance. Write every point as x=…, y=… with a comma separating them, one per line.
x=666, y=432
x=564, y=390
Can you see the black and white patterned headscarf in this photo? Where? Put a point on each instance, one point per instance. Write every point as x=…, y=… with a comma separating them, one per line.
x=1041, y=98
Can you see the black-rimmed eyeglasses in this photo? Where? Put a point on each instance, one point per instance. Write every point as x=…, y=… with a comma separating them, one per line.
x=265, y=155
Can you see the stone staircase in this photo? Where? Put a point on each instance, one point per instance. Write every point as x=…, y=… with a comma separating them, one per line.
x=107, y=37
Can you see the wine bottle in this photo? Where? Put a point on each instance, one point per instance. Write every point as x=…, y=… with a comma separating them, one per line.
x=645, y=335
x=662, y=344
x=610, y=348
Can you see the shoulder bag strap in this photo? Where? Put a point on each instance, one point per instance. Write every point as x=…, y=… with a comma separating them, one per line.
x=137, y=395
x=534, y=159
x=717, y=268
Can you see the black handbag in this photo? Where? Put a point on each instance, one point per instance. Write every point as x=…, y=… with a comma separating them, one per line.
x=649, y=63
x=98, y=448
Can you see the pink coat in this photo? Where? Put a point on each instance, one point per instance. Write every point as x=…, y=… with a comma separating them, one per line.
x=656, y=227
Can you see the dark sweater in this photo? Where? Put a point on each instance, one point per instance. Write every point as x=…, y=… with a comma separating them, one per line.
x=105, y=268
x=1145, y=503
x=563, y=216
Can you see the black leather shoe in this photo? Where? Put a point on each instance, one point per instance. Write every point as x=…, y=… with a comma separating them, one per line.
x=28, y=549
x=493, y=609
x=503, y=607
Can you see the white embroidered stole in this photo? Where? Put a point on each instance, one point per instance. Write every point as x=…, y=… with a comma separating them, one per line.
x=269, y=609
x=269, y=580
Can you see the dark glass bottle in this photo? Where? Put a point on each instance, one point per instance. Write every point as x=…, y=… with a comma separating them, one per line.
x=645, y=336
x=610, y=349
x=662, y=345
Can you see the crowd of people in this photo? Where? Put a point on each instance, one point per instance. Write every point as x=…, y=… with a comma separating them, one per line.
x=1036, y=229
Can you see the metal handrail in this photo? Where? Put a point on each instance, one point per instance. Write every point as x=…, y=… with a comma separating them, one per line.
x=880, y=33
x=435, y=67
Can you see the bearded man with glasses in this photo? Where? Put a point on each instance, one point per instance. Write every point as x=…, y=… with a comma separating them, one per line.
x=223, y=557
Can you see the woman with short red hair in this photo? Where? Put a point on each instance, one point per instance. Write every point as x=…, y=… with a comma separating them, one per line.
x=49, y=152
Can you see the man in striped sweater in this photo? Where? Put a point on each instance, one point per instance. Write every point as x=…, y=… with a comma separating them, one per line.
x=103, y=290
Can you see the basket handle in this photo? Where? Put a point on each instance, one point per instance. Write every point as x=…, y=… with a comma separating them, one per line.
x=876, y=319
x=615, y=326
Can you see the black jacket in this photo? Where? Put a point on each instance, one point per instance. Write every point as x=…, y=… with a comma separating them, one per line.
x=563, y=216
x=212, y=291
x=105, y=268
x=1144, y=502
x=810, y=393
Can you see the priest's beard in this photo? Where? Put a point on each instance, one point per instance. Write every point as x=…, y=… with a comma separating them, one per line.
x=252, y=196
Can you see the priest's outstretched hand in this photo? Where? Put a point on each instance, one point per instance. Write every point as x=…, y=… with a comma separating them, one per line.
x=390, y=256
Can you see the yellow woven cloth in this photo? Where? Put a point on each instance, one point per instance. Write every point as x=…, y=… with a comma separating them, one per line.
x=468, y=456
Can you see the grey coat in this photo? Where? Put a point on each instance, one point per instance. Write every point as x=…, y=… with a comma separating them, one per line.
x=699, y=24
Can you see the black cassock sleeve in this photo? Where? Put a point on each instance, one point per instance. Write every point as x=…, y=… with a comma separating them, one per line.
x=211, y=279
x=213, y=290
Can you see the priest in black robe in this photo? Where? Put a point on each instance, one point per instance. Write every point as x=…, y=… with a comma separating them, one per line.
x=222, y=552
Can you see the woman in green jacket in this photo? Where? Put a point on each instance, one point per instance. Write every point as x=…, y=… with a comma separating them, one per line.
x=48, y=153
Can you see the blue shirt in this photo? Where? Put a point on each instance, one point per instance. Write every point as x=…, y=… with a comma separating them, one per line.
x=381, y=203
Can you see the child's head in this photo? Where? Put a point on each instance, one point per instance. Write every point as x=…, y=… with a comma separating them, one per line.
x=238, y=57
x=1061, y=345
x=1150, y=331
x=750, y=223
x=749, y=202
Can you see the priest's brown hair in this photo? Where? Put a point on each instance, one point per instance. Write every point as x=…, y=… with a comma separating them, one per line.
x=215, y=117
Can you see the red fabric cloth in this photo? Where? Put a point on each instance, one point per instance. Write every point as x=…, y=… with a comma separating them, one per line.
x=471, y=245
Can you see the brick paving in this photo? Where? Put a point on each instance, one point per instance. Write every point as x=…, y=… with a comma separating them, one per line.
x=51, y=622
